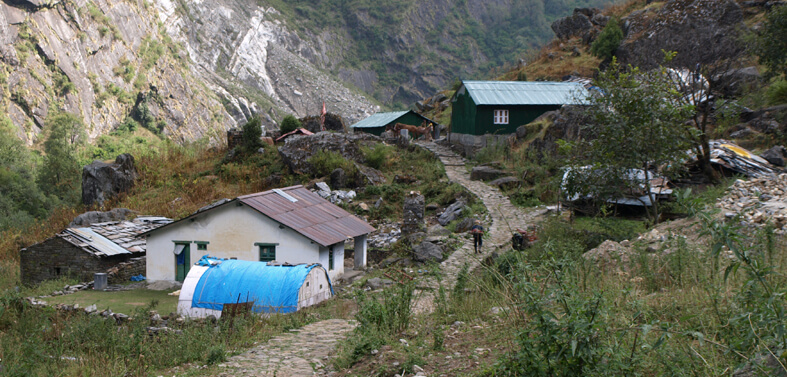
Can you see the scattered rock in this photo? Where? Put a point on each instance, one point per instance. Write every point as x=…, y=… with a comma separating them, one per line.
x=93, y=217
x=464, y=225
x=437, y=230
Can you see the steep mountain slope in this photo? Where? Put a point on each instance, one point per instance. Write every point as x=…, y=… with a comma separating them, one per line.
x=191, y=69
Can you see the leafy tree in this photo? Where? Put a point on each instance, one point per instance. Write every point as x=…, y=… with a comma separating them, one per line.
x=61, y=173
x=289, y=124
x=639, y=122
x=771, y=43
x=608, y=40
x=21, y=200
x=252, y=132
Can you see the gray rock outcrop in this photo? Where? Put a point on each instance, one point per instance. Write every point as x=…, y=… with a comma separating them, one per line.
x=427, y=252
x=296, y=151
x=700, y=31
x=575, y=24
x=102, y=181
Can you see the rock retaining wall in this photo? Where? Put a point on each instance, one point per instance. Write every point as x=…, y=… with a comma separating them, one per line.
x=470, y=144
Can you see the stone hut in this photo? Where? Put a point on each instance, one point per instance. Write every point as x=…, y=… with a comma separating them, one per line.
x=80, y=252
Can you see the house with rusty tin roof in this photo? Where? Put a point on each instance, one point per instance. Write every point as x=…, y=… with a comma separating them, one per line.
x=290, y=225
x=80, y=252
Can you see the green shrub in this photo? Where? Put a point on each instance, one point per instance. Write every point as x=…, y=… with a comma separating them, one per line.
x=608, y=40
x=377, y=157
x=289, y=124
x=252, y=132
x=777, y=92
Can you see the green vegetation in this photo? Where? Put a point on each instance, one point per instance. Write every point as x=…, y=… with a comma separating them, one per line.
x=608, y=41
x=636, y=120
x=289, y=123
x=771, y=42
x=61, y=173
x=119, y=302
x=252, y=132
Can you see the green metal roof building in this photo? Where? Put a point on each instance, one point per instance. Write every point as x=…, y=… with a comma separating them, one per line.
x=499, y=107
x=376, y=123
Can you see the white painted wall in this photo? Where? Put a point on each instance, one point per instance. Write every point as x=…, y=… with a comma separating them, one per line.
x=232, y=231
x=338, y=260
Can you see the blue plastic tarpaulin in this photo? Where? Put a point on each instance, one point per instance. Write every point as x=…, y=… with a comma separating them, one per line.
x=273, y=289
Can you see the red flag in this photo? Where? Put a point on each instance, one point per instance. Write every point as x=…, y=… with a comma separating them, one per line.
x=322, y=117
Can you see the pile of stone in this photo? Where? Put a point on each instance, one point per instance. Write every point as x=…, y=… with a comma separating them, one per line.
x=758, y=202
x=334, y=196
x=385, y=236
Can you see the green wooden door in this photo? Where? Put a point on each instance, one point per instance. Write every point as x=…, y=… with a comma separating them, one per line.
x=182, y=263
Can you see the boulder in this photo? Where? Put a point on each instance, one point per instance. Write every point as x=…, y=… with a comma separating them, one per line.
x=733, y=82
x=94, y=217
x=485, y=173
x=506, y=182
x=575, y=24
x=102, y=181
x=371, y=176
x=775, y=155
x=377, y=283
x=437, y=230
x=451, y=213
x=700, y=31
x=427, y=252
x=464, y=225
x=296, y=151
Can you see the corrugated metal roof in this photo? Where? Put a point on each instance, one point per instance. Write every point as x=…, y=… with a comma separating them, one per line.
x=526, y=93
x=379, y=119
x=115, y=237
x=311, y=215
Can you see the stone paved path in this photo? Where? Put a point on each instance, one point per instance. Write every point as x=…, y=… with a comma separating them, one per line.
x=301, y=352
x=305, y=351
x=504, y=217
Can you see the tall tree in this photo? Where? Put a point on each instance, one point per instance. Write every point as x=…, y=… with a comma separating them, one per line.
x=638, y=123
x=61, y=174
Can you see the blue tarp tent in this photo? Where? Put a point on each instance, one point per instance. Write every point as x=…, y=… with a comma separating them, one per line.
x=273, y=289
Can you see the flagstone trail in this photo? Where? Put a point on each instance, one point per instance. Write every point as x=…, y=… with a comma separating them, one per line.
x=306, y=351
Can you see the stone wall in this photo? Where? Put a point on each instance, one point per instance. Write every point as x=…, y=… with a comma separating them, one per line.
x=123, y=272
x=55, y=258
x=470, y=144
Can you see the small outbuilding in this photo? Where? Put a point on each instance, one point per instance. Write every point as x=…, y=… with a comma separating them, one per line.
x=79, y=252
x=378, y=123
x=264, y=288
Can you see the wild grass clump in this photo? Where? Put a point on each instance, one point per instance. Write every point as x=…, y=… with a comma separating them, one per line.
x=382, y=319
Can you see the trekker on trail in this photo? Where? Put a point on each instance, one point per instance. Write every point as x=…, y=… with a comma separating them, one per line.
x=478, y=233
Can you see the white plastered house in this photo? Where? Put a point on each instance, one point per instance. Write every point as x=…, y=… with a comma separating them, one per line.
x=289, y=225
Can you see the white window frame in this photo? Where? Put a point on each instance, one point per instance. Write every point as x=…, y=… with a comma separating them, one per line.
x=501, y=116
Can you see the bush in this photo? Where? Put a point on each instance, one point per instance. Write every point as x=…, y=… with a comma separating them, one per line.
x=252, y=132
x=289, y=124
x=777, y=92
x=377, y=157
x=608, y=41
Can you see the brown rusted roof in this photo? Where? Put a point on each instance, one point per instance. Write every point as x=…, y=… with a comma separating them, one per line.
x=310, y=215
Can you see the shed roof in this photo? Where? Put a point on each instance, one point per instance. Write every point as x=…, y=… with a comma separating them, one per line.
x=303, y=211
x=113, y=238
x=308, y=214
x=379, y=119
x=526, y=92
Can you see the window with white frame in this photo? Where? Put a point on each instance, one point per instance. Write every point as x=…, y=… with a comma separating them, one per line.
x=501, y=116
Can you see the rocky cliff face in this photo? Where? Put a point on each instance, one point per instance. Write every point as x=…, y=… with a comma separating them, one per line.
x=103, y=61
